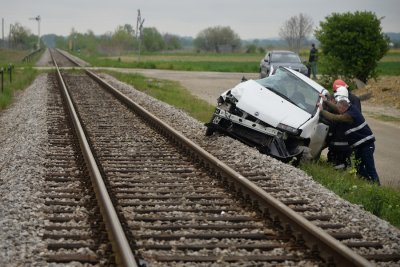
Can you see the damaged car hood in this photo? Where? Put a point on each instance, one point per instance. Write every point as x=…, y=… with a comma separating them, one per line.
x=267, y=106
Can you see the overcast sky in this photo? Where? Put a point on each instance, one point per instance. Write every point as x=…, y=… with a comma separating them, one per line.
x=248, y=18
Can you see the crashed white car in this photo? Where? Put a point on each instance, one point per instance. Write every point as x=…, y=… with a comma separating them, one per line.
x=277, y=114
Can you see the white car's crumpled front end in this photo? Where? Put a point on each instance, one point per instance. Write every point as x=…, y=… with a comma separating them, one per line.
x=268, y=106
x=270, y=115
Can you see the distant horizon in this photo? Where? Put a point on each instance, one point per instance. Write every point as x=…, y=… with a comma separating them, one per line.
x=253, y=19
x=248, y=39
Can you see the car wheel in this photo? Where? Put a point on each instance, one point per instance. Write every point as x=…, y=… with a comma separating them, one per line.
x=209, y=131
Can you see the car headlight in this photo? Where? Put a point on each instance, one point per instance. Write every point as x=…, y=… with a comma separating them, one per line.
x=288, y=128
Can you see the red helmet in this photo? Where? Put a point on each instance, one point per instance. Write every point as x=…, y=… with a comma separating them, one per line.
x=338, y=83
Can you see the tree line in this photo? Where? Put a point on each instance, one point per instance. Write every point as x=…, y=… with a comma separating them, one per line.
x=350, y=44
x=20, y=37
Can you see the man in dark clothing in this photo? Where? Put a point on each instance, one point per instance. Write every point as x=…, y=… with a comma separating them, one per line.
x=355, y=101
x=358, y=135
x=339, y=151
x=313, y=61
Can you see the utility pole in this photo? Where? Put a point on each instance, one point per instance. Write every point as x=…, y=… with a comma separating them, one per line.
x=38, y=20
x=139, y=30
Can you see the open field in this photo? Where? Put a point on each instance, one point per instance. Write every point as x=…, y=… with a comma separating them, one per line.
x=226, y=62
x=190, y=57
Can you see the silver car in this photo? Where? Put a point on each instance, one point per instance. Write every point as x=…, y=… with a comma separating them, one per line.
x=281, y=58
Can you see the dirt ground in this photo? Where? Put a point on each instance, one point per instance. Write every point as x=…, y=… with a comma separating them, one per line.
x=381, y=96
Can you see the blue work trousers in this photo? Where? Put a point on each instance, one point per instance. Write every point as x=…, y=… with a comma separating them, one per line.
x=365, y=164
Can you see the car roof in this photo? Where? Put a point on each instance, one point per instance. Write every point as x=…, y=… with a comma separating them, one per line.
x=311, y=82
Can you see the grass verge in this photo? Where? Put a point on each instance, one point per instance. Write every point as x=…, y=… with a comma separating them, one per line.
x=21, y=78
x=381, y=201
x=22, y=74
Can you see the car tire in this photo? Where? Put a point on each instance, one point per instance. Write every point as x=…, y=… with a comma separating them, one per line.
x=209, y=131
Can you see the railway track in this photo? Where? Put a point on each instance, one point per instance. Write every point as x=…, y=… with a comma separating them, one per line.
x=174, y=202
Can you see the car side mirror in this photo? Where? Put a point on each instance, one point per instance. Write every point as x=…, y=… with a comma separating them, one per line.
x=266, y=60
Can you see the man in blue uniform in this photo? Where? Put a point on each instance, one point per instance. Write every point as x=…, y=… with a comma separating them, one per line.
x=358, y=134
x=339, y=151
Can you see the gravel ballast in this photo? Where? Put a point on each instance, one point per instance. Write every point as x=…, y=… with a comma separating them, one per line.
x=23, y=141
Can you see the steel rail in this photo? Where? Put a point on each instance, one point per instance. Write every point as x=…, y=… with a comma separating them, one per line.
x=120, y=244
x=328, y=247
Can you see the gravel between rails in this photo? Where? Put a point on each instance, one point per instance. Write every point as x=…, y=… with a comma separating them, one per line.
x=23, y=141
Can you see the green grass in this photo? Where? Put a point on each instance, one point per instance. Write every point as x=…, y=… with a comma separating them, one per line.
x=381, y=201
x=169, y=92
x=178, y=64
x=226, y=62
x=22, y=74
x=389, y=68
x=21, y=78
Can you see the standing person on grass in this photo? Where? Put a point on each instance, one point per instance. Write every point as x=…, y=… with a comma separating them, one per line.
x=313, y=61
x=358, y=134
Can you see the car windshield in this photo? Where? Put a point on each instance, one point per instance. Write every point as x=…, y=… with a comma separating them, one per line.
x=293, y=89
x=285, y=58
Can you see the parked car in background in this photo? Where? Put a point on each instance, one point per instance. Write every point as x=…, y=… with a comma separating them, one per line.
x=281, y=58
x=277, y=114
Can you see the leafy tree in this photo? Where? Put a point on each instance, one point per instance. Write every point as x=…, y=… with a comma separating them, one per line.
x=129, y=29
x=122, y=39
x=352, y=44
x=251, y=48
x=172, y=42
x=217, y=39
x=89, y=42
x=152, y=39
x=104, y=45
x=21, y=37
x=295, y=31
